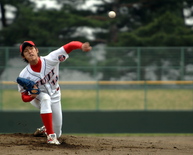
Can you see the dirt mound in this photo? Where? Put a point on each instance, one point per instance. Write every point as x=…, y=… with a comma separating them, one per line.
x=27, y=144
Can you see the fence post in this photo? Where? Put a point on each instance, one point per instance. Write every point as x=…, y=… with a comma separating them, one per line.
x=139, y=63
x=97, y=95
x=1, y=94
x=145, y=95
x=182, y=63
x=6, y=76
x=192, y=94
x=6, y=60
x=97, y=83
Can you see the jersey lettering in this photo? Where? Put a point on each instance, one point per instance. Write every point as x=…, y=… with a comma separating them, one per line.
x=55, y=80
x=47, y=78
x=43, y=81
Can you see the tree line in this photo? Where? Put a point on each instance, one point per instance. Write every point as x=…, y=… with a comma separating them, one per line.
x=139, y=23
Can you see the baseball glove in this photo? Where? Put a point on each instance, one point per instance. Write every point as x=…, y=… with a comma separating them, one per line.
x=28, y=85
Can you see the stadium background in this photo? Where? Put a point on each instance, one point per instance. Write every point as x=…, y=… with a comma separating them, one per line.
x=132, y=94
x=141, y=90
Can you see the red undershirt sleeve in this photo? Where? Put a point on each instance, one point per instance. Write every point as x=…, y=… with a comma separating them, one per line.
x=72, y=46
x=25, y=97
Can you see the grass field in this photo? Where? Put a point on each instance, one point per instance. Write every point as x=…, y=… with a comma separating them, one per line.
x=153, y=99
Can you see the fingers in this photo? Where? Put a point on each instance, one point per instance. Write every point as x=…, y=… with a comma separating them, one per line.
x=34, y=95
x=86, y=47
x=35, y=87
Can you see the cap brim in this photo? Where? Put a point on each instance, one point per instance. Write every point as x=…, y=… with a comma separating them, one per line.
x=24, y=45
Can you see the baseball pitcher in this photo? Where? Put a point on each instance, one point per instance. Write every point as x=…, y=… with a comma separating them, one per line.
x=38, y=84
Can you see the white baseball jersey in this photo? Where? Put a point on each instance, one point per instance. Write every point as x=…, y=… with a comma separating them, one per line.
x=47, y=78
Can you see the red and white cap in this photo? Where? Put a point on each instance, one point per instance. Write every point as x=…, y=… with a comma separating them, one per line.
x=24, y=44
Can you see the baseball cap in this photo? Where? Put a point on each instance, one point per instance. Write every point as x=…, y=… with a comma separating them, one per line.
x=24, y=44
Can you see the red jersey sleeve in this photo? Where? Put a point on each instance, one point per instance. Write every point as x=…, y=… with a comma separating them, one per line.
x=25, y=97
x=73, y=45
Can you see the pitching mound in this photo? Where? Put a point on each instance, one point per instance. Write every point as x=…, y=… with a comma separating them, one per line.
x=24, y=144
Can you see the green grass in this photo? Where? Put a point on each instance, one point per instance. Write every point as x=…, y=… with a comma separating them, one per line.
x=152, y=99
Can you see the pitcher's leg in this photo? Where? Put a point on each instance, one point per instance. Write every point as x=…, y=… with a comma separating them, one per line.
x=46, y=112
x=57, y=119
x=57, y=113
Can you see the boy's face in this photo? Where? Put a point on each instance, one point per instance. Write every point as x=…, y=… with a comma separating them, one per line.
x=31, y=54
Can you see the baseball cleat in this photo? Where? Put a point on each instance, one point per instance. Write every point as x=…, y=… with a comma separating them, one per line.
x=40, y=132
x=52, y=139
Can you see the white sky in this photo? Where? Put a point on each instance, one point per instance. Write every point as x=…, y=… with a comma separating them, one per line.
x=53, y=4
x=9, y=12
x=39, y=3
x=89, y=4
x=46, y=3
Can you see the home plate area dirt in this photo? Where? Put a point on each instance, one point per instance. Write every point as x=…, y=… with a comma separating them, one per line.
x=27, y=144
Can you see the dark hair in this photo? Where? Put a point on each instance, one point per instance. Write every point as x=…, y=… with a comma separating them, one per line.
x=24, y=59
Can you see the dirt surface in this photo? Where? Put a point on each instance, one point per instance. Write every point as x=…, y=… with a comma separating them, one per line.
x=26, y=144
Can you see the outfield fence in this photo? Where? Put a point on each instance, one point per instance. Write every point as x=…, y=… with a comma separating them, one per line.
x=111, y=95
x=111, y=78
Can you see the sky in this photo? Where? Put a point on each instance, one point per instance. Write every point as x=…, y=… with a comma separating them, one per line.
x=53, y=4
x=46, y=3
x=89, y=4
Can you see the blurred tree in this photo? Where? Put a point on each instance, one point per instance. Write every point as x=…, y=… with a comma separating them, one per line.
x=7, y=39
x=133, y=15
x=46, y=27
x=166, y=30
x=138, y=23
x=3, y=18
x=70, y=20
x=145, y=23
x=13, y=3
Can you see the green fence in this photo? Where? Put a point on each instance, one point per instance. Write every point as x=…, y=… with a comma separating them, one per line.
x=111, y=78
x=102, y=122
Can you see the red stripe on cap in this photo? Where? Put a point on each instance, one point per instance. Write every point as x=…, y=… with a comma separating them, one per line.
x=29, y=42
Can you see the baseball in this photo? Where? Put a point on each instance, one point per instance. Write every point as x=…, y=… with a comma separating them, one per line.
x=112, y=14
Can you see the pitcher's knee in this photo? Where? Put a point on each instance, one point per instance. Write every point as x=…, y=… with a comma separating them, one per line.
x=45, y=103
x=45, y=97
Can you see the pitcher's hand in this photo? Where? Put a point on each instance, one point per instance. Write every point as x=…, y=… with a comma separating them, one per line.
x=86, y=47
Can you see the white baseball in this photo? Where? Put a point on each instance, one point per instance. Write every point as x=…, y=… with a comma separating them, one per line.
x=112, y=14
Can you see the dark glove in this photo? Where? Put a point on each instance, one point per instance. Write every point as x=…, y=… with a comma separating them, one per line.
x=28, y=85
